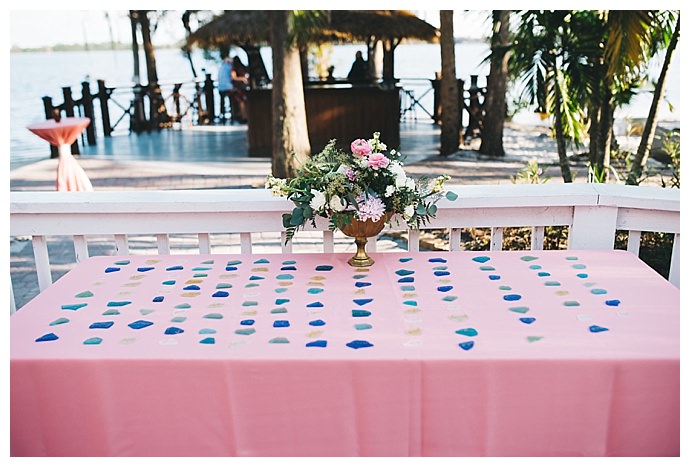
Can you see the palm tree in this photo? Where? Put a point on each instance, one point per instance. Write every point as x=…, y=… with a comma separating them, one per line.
x=645, y=146
x=291, y=144
x=495, y=99
x=158, y=115
x=450, y=127
x=540, y=61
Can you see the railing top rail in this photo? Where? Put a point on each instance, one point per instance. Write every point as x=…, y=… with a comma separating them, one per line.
x=252, y=200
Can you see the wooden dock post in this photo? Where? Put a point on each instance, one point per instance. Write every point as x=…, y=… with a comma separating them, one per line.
x=50, y=113
x=103, y=97
x=87, y=103
x=69, y=111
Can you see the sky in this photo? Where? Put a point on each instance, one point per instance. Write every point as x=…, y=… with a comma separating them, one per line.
x=38, y=28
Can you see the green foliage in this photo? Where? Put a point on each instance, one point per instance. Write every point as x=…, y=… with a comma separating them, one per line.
x=531, y=174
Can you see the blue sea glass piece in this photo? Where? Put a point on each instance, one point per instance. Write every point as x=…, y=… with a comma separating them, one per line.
x=245, y=331
x=404, y=272
x=281, y=323
x=220, y=294
x=116, y=304
x=231, y=268
x=528, y=320
x=281, y=290
x=598, y=291
x=247, y=322
x=487, y=268
x=469, y=332
x=285, y=277
x=317, y=322
x=279, y=340
x=207, y=331
x=362, y=301
x=405, y=260
x=481, y=259
x=543, y=274
x=528, y=258
x=59, y=321
x=213, y=316
x=93, y=341
x=170, y=282
x=595, y=328
x=173, y=330
x=614, y=302
x=359, y=285
x=140, y=324
x=512, y=297
x=84, y=294
x=208, y=340
x=535, y=267
x=280, y=301
x=317, y=343
x=314, y=290
x=158, y=299
x=288, y=268
x=174, y=268
x=519, y=309
x=437, y=260
x=73, y=307
x=324, y=267
x=102, y=325
x=571, y=303
x=279, y=310
x=234, y=262
x=494, y=277
x=122, y=262
x=145, y=269
x=579, y=266
x=441, y=273
x=47, y=337
x=360, y=313
x=191, y=287
x=262, y=261
x=256, y=278
x=552, y=283
x=466, y=345
x=179, y=319
x=583, y=275
x=362, y=326
x=250, y=303
x=315, y=305
x=406, y=279
x=444, y=288
x=449, y=298
x=407, y=288
x=410, y=302
x=358, y=344
x=111, y=269
x=289, y=261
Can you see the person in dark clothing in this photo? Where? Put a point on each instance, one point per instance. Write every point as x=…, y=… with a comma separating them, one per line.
x=359, y=73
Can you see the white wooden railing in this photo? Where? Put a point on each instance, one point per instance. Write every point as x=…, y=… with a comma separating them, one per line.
x=593, y=213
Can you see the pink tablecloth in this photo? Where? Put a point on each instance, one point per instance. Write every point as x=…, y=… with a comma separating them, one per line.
x=70, y=175
x=423, y=354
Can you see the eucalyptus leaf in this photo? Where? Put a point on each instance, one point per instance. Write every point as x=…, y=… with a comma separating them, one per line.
x=421, y=209
x=432, y=210
x=451, y=196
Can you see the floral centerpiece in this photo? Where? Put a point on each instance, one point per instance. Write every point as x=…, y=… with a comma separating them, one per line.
x=358, y=192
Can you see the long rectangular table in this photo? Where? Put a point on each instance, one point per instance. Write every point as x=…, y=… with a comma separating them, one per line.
x=549, y=353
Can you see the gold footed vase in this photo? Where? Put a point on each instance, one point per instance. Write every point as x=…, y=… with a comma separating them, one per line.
x=361, y=231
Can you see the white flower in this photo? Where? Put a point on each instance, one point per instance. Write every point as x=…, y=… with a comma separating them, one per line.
x=409, y=211
x=278, y=186
x=390, y=189
x=437, y=187
x=318, y=201
x=399, y=173
x=337, y=204
x=409, y=183
x=364, y=162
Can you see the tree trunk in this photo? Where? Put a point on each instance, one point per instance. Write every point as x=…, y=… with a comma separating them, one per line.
x=136, y=76
x=560, y=137
x=495, y=100
x=450, y=118
x=646, y=141
x=158, y=114
x=605, y=136
x=290, y=136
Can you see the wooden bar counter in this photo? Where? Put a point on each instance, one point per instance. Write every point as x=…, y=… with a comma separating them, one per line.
x=341, y=111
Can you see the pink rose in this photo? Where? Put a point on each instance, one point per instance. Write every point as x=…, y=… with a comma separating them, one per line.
x=378, y=160
x=360, y=148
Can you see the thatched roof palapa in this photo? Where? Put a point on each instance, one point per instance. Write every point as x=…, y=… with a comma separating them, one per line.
x=252, y=27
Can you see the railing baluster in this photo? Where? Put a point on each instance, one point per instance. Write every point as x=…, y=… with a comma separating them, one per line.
x=634, y=241
x=413, y=242
x=328, y=244
x=121, y=245
x=285, y=247
x=537, y=238
x=246, y=242
x=455, y=239
x=204, y=243
x=496, y=239
x=42, y=261
x=81, y=249
x=163, y=242
x=674, y=271
x=13, y=303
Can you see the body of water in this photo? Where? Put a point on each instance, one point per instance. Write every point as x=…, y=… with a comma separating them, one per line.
x=34, y=75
